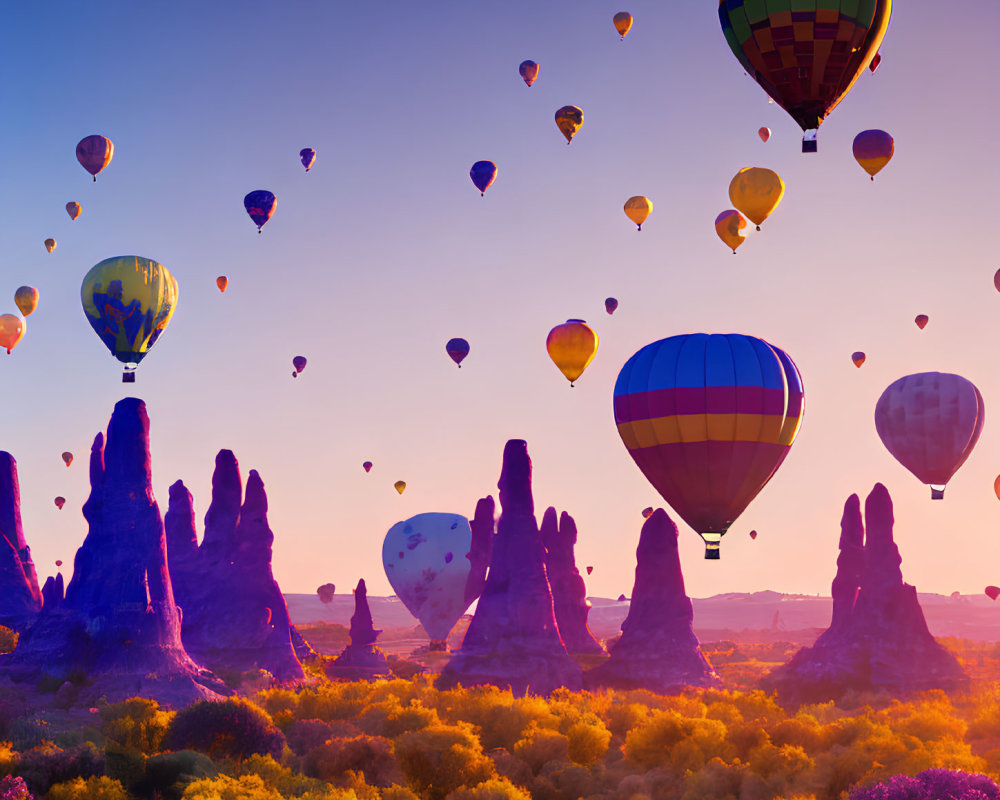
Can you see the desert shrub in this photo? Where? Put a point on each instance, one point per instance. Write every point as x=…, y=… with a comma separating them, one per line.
x=621, y=717
x=246, y=787
x=8, y=639
x=802, y=730
x=588, y=742
x=667, y=738
x=127, y=765
x=395, y=792
x=280, y=778
x=442, y=758
x=541, y=745
x=93, y=788
x=167, y=775
x=933, y=784
x=45, y=765
x=9, y=758
x=561, y=780
x=493, y=789
x=232, y=728
x=370, y=755
x=717, y=780
x=305, y=734
x=403, y=668
x=933, y=717
x=411, y=718
x=12, y=788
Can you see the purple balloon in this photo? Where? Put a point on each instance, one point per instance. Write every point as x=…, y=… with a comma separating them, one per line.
x=308, y=157
x=610, y=305
x=458, y=349
x=260, y=206
x=299, y=362
x=483, y=173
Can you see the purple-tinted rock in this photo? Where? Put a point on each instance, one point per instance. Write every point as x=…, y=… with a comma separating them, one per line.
x=483, y=527
x=658, y=649
x=224, y=512
x=361, y=659
x=569, y=593
x=513, y=640
x=53, y=592
x=20, y=597
x=878, y=639
x=118, y=624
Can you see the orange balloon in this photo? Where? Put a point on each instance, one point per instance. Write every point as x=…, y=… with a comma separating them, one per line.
x=647, y=512
x=11, y=330
x=50, y=244
x=73, y=209
x=222, y=282
x=858, y=358
x=623, y=23
x=996, y=486
x=921, y=320
x=400, y=486
x=572, y=346
x=764, y=134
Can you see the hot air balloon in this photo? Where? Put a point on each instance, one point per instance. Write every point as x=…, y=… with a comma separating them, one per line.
x=930, y=422
x=308, y=157
x=764, y=134
x=638, y=208
x=921, y=320
x=326, y=592
x=875, y=62
x=590, y=570
x=993, y=592
x=128, y=301
x=260, y=205
x=873, y=149
x=367, y=466
x=50, y=244
x=708, y=419
x=610, y=305
x=647, y=512
x=756, y=192
x=996, y=487
x=67, y=457
x=572, y=346
x=299, y=362
x=94, y=153
x=483, y=173
x=12, y=329
x=458, y=349
x=858, y=358
x=728, y=226
x=528, y=70
x=996, y=280
x=222, y=282
x=424, y=560
x=623, y=23
x=753, y=534
x=26, y=299
x=569, y=119
x=806, y=58
x=60, y=502
x=400, y=486
x=73, y=209
x=58, y=563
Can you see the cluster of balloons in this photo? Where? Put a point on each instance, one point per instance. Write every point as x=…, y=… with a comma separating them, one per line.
x=755, y=192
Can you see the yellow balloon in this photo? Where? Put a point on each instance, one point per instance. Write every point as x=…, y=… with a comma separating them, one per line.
x=728, y=225
x=569, y=119
x=400, y=486
x=50, y=244
x=12, y=329
x=623, y=23
x=756, y=192
x=638, y=208
x=572, y=346
x=26, y=298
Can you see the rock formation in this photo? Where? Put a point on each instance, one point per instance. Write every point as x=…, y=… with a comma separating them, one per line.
x=569, y=593
x=483, y=527
x=658, y=649
x=235, y=617
x=118, y=624
x=513, y=639
x=20, y=597
x=361, y=659
x=878, y=638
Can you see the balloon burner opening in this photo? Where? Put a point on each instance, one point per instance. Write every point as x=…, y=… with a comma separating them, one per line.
x=712, y=541
x=809, y=140
x=937, y=491
x=438, y=646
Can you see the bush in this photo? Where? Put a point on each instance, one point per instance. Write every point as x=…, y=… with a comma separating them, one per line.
x=12, y=788
x=45, y=765
x=305, y=734
x=8, y=639
x=137, y=723
x=588, y=742
x=441, y=759
x=370, y=755
x=931, y=784
x=493, y=789
x=167, y=775
x=233, y=728
x=540, y=746
x=93, y=788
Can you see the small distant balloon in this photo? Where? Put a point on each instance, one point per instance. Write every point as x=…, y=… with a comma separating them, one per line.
x=326, y=592
x=647, y=512
x=996, y=487
x=367, y=466
x=59, y=563
x=11, y=331
x=570, y=120
x=94, y=153
x=260, y=205
x=764, y=134
x=858, y=358
x=756, y=192
x=623, y=23
x=483, y=173
x=222, y=282
x=26, y=299
x=308, y=157
x=299, y=362
x=400, y=486
x=728, y=226
x=572, y=346
x=67, y=457
x=875, y=62
x=873, y=150
x=528, y=71
x=60, y=502
x=73, y=209
x=50, y=244
x=638, y=209
x=996, y=280
x=993, y=592
x=753, y=534
x=610, y=305
x=457, y=349
x=921, y=320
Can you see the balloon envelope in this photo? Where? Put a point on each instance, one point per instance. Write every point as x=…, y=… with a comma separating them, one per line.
x=764, y=134
x=753, y=534
x=67, y=457
x=728, y=226
x=873, y=149
x=400, y=486
x=367, y=466
x=875, y=62
x=610, y=305
x=638, y=209
x=483, y=173
x=996, y=280
x=222, y=282
x=128, y=301
x=858, y=358
x=299, y=362
x=993, y=592
x=921, y=320
x=73, y=209
x=528, y=70
x=308, y=157
x=94, y=153
x=50, y=244
x=26, y=299
x=425, y=561
x=572, y=346
x=590, y=570
x=458, y=349
x=623, y=23
x=260, y=205
x=647, y=512
x=756, y=192
x=930, y=422
x=709, y=419
x=996, y=487
x=569, y=119
x=11, y=331
x=60, y=502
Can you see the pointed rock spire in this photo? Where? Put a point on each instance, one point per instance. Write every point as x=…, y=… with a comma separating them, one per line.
x=483, y=527
x=361, y=659
x=569, y=593
x=20, y=597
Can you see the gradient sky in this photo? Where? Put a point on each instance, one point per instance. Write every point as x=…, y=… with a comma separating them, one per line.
x=385, y=250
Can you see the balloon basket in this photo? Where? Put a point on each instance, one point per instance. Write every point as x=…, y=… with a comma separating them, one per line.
x=712, y=541
x=937, y=492
x=128, y=377
x=809, y=140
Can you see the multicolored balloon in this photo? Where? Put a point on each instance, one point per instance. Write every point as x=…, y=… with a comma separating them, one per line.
x=858, y=358
x=128, y=301
x=921, y=320
x=73, y=209
x=308, y=157
x=400, y=486
x=260, y=205
x=50, y=245
x=222, y=282
x=67, y=458
x=764, y=134
x=367, y=466
x=638, y=209
x=299, y=362
x=753, y=534
x=610, y=305
x=528, y=70
x=807, y=65
x=426, y=564
x=26, y=299
x=60, y=502
x=756, y=192
x=12, y=329
x=728, y=226
x=569, y=119
x=483, y=173
x=930, y=422
x=572, y=346
x=94, y=153
x=623, y=23
x=709, y=419
x=873, y=149
x=457, y=349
